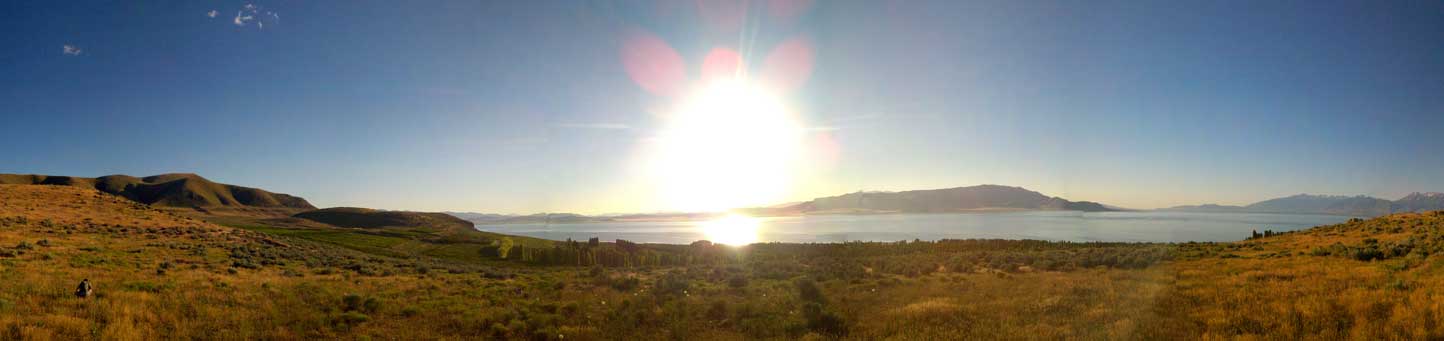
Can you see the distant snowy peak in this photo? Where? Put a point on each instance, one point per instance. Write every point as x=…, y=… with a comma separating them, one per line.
x=1420, y=202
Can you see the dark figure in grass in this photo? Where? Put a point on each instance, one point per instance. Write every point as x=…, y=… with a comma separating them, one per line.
x=84, y=289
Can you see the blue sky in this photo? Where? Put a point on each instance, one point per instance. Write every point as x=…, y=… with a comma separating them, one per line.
x=526, y=106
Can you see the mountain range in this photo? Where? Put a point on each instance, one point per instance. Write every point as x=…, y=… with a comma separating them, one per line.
x=181, y=190
x=191, y=191
x=957, y=199
x=1359, y=205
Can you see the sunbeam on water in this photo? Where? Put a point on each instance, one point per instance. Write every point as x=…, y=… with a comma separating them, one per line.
x=735, y=230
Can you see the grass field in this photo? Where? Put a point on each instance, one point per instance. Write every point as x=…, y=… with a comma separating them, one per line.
x=159, y=275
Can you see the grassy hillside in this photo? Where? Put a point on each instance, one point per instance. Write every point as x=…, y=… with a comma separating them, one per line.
x=369, y=218
x=176, y=190
x=1366, y=279
x=162, y=275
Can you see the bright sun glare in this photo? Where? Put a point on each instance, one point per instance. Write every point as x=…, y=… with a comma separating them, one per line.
x=732, y=230
x=732, y=144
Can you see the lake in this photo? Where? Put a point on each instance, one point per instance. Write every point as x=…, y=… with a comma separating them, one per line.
x=1143, y=226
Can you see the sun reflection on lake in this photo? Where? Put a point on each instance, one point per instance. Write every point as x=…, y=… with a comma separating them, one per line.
x=735, y=230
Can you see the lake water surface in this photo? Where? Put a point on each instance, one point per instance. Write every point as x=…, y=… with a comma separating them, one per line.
x=1143, y=226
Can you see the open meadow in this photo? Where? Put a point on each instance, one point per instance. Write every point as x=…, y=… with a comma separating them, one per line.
x=158, y=274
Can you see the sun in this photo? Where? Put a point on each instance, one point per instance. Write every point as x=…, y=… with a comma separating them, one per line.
x=732, y=144
x=735, y=230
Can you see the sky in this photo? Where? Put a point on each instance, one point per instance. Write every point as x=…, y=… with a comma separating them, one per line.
x=542, y=106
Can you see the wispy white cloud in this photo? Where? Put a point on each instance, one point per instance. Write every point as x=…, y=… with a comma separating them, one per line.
x=71, y=50
x=601, y=126
x=839, y=123
x=212, y=13
x=251, y=13
x=854, y=118
x=242, y=19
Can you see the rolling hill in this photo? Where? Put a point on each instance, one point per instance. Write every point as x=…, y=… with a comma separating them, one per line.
x=354, y=217
x=180, y=190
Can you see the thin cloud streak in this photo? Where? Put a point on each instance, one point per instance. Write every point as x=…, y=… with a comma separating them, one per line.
x=599, y=126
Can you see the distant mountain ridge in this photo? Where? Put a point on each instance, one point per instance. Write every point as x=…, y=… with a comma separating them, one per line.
x=1326, y=204
x=479, y=217
x=1207, y=208
x=170, y=190
x=1419, y=202
x=1359, y=205
x=957, y=199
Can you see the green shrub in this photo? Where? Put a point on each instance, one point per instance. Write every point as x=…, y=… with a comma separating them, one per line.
x=352, y=318
x=596, y=271
x=671, y=284
x=737, y=281
x=807, y=289
x=355, y=302
x=352, y=302
x=625, y=283
x=823, y=321
x=1367, y=254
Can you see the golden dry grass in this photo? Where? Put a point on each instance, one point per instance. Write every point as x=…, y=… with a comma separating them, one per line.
x=164, y=276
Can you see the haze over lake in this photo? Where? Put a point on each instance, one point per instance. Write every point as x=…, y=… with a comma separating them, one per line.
x=1143, y=226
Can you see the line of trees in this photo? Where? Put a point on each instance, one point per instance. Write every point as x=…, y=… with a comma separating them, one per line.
x=621, y=253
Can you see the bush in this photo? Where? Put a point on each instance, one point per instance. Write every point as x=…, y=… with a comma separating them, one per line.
x=351, y=302
x=352, y=318
x=671, y=284
x=718, y=310
x=807, y=289
x=625, y=283
x=737, y=282
x=1367, y=254
x=596, y=271
x=355, y=302
x=823, y=321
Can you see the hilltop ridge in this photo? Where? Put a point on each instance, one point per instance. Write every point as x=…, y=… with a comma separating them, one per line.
x=178, y=190
x=355, y=217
